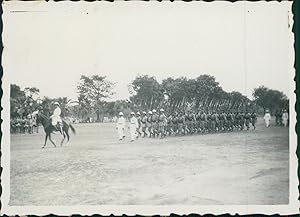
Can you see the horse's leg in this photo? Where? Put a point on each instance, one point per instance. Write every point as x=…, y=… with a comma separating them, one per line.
x=68, y=136
x=62, y=141
x=51, y=140
x=45, y=140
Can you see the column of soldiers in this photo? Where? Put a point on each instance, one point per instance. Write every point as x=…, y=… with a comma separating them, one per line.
x=23, y=125
x=159, y=124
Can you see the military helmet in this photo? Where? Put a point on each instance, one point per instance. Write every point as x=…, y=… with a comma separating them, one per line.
x=120, y=113
x=150, y=112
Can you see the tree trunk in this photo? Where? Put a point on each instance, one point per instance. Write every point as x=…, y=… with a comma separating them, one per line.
x=98, y=116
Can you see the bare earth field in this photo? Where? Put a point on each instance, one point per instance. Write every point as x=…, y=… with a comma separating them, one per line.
x=249, y=167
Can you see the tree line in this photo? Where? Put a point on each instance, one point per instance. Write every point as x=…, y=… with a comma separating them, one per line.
x=173, y=94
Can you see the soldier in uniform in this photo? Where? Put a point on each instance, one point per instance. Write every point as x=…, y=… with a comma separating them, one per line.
x=253, y=119
x=144, y=123
x=217, y=120
x=209, y=121
x=213, y=121
x=237, y=121
x=193, y=122
x=229, y=120
x=242, y=120
x=162, y=120
x=138, y=117
x=222, y=121
x=149, y=123
x=277, y=117
x=247, y=119
x=170, y=127
x=175, y=123
x=198, y=122
x=154, y=123
x=181, y=124
x=186, y=125
x=203, y=121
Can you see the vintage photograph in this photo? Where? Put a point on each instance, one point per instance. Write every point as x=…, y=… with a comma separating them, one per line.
x=149, y=104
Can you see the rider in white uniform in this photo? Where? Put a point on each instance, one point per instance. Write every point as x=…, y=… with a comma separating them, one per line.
x=56, y=119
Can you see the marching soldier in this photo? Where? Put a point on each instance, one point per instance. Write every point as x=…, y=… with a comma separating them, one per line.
x=138, y=117
x=277, y=117
x=154, y=123
x=144, y=123
x=181, y=124
x=162, y=120
x=175, y=123
x=198, y=122
x=247, y=120
x=149, y=123
x=209, y=121
x=170, y=127
x=253, y=119
x=203, y=121
x=222, y=118
x=242, y=120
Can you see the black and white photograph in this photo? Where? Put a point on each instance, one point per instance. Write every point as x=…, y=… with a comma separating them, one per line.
x=133, y=107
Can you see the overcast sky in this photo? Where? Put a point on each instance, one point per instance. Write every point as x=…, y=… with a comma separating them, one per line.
x=244, y=44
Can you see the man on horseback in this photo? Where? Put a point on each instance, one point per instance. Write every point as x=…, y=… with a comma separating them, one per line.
x=56, y=119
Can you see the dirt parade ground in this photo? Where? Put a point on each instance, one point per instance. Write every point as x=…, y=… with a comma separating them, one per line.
x=248, y=167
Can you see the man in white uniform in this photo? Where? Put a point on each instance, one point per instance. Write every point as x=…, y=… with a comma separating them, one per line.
x=133, y=125
x=267, y=118
x=56, y=119
x=285, y=118
x=121, y=126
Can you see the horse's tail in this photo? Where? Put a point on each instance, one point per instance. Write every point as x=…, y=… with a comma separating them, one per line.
x=72, y=128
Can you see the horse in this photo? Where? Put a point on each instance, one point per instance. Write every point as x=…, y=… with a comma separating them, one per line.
x=49, y=128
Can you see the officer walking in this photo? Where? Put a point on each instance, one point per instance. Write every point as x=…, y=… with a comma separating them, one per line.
x=121, y=126
x=133, y=125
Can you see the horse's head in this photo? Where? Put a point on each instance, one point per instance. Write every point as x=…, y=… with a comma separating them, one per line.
x=40, y=117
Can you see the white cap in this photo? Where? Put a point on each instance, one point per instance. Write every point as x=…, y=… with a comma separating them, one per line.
x=138, y=113
x=153, y=110
x=120, y=113
x=144, y=112
x=150, y=112
x=162, y=110
x=56, y=103
x=132, y=113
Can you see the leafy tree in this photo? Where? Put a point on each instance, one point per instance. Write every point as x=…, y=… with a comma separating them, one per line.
x=22, y=102
x=94, y=90
x=270, y=99
x=145, y=92
x=17, y=98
